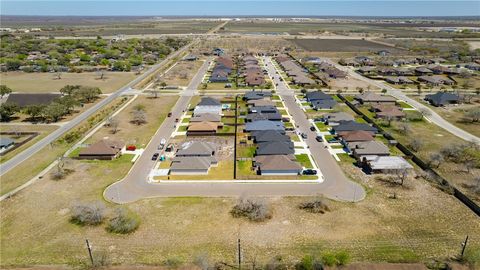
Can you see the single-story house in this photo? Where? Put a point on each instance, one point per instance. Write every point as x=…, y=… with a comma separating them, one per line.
x=260, y=102
x=387, y=111
x=263, y=109
x=190, y=165
x=6, y=143
x=275, y=148
x=371, y=97
x=264, y=116
x=423, y=71
x=334, y=119
x=208, y=105
x=204, y=128
x=255, y=95
x=269, y=136
x=436, y=80
x=264, y=125
x=26, y=99
x=442, y=98
x=386, y=164
x=356, y=136
x=361, y=150
x=398, y=80
x=323, y=104
x=317, y=95
x=196, y=149
x=277, y=165
x=104, y=150
x=210, y=117
x=353, y=126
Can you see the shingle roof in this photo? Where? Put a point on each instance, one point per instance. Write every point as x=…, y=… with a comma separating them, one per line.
x=356, y=136
x=264, y=125
x=196, y=148
x=373, y=97
x=191, y=163
x=277, y=163
x=102, y=148
x=275, y=148
x=210, y=117
x=317, y=95
x=252, y=95
x=269, y=136
x=338, y=116
x=442, y=98
x=324, y=104
x=389, y=163
x=352, y=125
x=6, y=141
x=368, y=148
x=264, y=116
x=208, y=101
x=203, y=126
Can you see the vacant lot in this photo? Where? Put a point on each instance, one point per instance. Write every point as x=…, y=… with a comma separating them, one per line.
x=43, y=131
x=422, y=223
x=181, y=73
x=47, y=82
x=340, y=45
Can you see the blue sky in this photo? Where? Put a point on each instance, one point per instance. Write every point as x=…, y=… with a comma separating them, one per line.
x=236, y=7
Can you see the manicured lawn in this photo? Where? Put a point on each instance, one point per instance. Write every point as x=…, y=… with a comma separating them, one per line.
x=294, y=137
x=288, y=125
x=304, y=160
x=182, y=128
x=329, y=137
x=403, y=104
x=246, y=151
x=244, y=167
x=321, y=126
x=282, y=112
x=186, y=120
x=227, y=129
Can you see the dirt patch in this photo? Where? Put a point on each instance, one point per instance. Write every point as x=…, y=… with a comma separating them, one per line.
x=341, y=45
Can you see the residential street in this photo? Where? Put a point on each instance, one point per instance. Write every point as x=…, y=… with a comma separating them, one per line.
x=433, y=116
x=20, y=157
x=135, y=185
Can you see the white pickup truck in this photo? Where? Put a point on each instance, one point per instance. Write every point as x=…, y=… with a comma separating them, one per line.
x=162, y=144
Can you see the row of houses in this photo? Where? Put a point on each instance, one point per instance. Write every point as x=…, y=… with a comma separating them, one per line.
x=359, y=140
x=325, y=69
x=370, y=61
x=320, y=101
x=206, y=118
x=274, y=154
x=293, y=70
x=251, y=71
x=222, y=69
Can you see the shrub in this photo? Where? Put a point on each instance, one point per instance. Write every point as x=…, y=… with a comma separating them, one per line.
x=309, y=263
x=123, y=222
x=317, y=205
x=252, y=208
x=276, y=263
x=88, y=213
x=335, y=258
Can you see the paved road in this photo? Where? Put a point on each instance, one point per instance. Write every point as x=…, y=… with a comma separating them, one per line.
x=431, y=115
x=16, y=160
x=135, y=185
x=335, y=183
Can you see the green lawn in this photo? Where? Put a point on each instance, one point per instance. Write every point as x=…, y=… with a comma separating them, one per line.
x=403, y=104
x=244, y=167
x=186, y=120
x=329, y=137
x=182, y=128
x=227, y=129
x=304, y=160
x=246, y=151
x=321, y=126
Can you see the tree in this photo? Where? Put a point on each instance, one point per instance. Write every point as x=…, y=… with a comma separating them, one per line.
x=4, y=90
x=69, y=89
x=113, y=123
x=419, y=89
x=7, y=110
x=402, y=174
x=139, y=117
x=69, y=102
x=384, y=91
x=252, y=208
x=416, y=144
x=473, y=114
x=403, y=128
x=55, y=111
x=123, y=222
x=34, y=110
x=435, y=159
x=88, y=213
x=154, y=93
x=88, y=94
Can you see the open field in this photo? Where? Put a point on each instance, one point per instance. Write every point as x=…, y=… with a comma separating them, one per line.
x=340, y=45
x=417, y=226
x=181, y=73
x=238, y=44
x=43, y=131
x=47, y=82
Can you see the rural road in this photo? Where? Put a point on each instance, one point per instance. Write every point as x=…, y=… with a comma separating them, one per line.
x=19, y=158
x=135, y=185
x=431, y=115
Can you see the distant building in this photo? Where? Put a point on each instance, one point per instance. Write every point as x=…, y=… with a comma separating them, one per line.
x=442, y=98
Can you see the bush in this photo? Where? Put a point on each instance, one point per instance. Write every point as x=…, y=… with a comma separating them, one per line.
x=88, y=213
x=276, y=263
x=123, y=222
x=309, y=263
x=317, y=205
x=251, y=208
x=335, y=258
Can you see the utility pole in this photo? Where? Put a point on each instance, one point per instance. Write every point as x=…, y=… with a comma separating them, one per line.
x=239, y=254
x=235, y=140
x=89, y=251
x=464, y=246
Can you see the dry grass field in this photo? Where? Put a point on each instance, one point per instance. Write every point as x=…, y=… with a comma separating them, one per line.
x=47, y=82
x=239, y=44
x=340, y=45
x=181, y=73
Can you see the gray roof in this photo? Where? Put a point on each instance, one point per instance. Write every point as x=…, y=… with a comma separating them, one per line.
x=264, y=125
x=338, y=116
x=264, y=109
x=208, y=101
x=264, y=116
x=277, y=163
x=317, y=95
x=196, y=148
x=373, y=97
x=191, y=163
x=389, y=163
x=352, y=125
x=442, y=98
x=324, y=104
x=256, y=95
x=275, y=148
x=368, y=148
x=269, y=136
x=210, y=117
x=6, y=141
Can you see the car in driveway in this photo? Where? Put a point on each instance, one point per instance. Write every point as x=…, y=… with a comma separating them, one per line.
x=312, y=128
x=309, y=172
x=155, y=156
x=319, y=138
x=304, y=136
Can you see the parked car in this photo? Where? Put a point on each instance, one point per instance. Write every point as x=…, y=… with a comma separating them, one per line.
x=312, y=128
x=155, y=156
x=169, y=148
x=169, y=114
x=131, y=148
x=309, y=172
x=304, y=136
x=319, y=138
